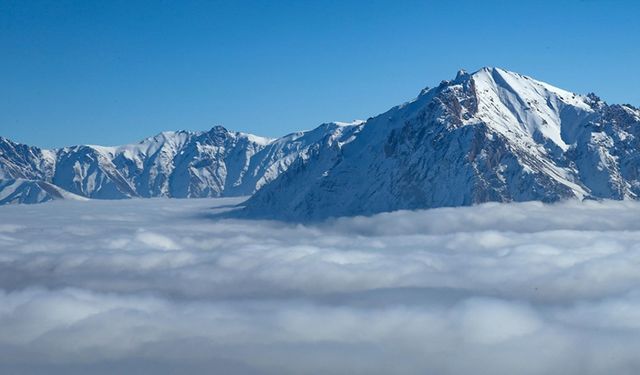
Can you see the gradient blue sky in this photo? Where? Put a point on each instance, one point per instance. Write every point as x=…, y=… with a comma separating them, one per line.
x=112, y=72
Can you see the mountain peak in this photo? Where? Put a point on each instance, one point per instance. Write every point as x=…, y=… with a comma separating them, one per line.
x=461, y=74
x=490, y=135
x=218, y=129
x=514, y=105
x=521, y=107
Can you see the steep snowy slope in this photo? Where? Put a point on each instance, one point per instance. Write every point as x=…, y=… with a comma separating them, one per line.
x=492, y=135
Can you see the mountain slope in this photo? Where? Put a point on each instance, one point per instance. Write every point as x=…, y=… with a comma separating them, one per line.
x=492, y=135
x=22, y=191
x=26, y=162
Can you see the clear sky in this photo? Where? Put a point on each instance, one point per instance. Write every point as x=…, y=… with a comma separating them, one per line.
x=113, y=72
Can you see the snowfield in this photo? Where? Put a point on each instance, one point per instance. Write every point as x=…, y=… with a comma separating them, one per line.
x=160, y=286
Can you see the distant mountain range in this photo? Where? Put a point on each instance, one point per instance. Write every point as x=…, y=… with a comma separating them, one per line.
x=493, y=135
x=181, y=164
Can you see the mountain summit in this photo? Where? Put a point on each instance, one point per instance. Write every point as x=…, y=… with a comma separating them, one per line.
x=492, y=135
x=487, y=136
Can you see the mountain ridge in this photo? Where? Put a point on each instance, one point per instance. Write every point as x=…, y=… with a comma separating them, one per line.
x=490, y=135
x=176, y=164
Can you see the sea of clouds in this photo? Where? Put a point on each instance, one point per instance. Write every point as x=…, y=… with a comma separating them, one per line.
x=164, y=287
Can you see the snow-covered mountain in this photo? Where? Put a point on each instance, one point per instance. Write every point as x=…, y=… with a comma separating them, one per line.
x=171, y=164
x=492, y=135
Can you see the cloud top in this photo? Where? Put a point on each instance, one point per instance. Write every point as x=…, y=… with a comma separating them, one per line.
x=155, y=286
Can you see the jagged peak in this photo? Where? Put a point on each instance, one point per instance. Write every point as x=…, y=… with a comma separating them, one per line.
x=5, y=140
x=461, y=74
x=218, y=129
x=221, y=131
x=513, y=104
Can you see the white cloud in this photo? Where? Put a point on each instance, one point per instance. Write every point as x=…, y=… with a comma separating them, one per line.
x=157, y=286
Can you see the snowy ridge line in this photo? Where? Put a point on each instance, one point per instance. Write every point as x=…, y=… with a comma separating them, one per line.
x=178, y=164
x=488, y=136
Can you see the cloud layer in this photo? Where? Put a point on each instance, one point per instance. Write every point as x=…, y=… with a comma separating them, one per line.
x=157, y=286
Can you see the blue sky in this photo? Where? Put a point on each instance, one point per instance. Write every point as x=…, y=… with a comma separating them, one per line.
x=112, y=72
